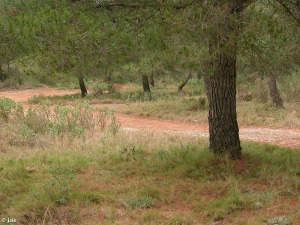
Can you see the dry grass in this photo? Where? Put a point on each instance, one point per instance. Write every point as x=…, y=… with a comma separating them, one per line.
x=249, y=113
x=145, y=178
x=190, y=106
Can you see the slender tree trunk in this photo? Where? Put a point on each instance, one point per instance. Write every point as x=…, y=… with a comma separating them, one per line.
x=109, y=75
x=8, y=70
x=151, y=79
x=223, y=126
x=82, y=86
x=146, y=85
x=181, y=86
x=277, y=101
x=199, y=75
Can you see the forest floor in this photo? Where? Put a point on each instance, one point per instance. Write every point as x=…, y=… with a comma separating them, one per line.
x=284, y=136
x=152, y=171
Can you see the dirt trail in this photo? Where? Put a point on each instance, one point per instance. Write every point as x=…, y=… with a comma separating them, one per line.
x=23, y=95
x=283, y=137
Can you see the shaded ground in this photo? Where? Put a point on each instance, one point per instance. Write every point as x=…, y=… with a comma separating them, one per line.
x=283, y=137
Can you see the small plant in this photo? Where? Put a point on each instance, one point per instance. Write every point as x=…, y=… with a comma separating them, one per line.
x=59, y=186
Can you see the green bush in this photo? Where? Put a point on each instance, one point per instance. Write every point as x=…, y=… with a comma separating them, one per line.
x=99, y=88
x=9, y=108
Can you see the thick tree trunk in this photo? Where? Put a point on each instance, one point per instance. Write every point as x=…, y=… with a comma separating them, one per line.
x=181, y=86
x=223, y=126
x=277, y=101
x=151, y=79
x=82, y=86
x=146, y=86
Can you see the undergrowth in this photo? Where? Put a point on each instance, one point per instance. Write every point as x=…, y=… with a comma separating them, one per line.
x=45, y=124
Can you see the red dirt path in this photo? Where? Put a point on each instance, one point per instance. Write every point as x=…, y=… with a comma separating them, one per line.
x=283, y=137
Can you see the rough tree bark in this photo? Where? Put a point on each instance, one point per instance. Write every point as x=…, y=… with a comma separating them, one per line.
x=277, y=101
x=181, y=86
x=223, y=126
x=82, y=86
x=145, y=81
x=151, y=79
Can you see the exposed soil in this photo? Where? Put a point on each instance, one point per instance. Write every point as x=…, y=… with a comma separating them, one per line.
x=283, y=137
x=23, y=95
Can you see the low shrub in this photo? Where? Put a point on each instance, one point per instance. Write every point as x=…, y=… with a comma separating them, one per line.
x=9, y=108
x=44, y=120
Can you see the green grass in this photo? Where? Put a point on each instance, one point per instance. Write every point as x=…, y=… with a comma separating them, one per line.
x=167, y=180
x=109, y=177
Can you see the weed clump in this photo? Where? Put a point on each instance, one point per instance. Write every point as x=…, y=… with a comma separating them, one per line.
x=44, y=121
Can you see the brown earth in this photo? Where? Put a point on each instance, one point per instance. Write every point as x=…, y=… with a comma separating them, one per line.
x=283, y=137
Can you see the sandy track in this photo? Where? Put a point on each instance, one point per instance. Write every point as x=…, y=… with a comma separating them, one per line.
x=23, y=95
x=283, y=137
